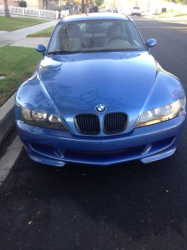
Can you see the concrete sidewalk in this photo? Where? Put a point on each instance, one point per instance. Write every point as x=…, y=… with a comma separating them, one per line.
x=31, y=42
x=17, y=37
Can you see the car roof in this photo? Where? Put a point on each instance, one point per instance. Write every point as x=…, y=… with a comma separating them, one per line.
x=94, y=16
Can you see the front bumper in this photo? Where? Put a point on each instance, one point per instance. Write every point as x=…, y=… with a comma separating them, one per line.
x=146, y=144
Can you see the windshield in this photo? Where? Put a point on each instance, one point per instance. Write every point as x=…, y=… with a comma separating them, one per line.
x=94, y=36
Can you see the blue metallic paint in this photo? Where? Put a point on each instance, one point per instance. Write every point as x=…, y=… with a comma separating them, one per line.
x=67, y=85
x=151, y=43
x=54, y=89
x=160, y=138
x=41, y=49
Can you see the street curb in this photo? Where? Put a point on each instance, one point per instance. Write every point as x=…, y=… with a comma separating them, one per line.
x=7, y=117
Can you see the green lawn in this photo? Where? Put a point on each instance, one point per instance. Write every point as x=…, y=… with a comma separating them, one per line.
x=169, y=14
x=14, y=23
x=180, y=15
x=43, y=33
x=163, y=15
x=17, y=64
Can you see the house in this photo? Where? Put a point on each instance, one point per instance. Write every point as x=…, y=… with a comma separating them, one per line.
x=37, y=4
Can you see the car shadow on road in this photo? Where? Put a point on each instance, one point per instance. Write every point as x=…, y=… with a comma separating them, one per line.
x=127, y=206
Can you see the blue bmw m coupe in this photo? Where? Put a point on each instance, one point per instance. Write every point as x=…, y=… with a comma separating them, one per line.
x=99, y=97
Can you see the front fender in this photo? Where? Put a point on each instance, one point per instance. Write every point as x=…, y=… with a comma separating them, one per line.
x=31, y=94
x=167, y=89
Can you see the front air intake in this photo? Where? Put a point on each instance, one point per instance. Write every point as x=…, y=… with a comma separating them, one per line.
x=115, y=123
x=87, y=124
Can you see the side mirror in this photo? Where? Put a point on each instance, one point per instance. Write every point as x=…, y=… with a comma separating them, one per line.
x=151, y=43
x=41, y=49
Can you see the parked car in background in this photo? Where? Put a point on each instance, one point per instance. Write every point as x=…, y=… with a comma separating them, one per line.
x=67, y=9
x=115, y=10
x=136, y=11
x=99, y=97
x=103, y=10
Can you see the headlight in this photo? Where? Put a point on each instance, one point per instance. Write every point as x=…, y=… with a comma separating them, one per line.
x=41, y=119
x=162, y=114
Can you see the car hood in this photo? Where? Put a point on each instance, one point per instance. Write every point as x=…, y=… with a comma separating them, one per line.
x=120, y=81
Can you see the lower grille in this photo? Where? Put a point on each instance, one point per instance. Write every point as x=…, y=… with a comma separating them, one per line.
x=103, y=155
x=87, y=124
x=115, y=123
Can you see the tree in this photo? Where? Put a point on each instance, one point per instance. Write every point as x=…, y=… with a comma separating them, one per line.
x=82, y=6
x=23, y=4
x=7, y=12
x=99, y=2
x=47, y=2
x=177, y=1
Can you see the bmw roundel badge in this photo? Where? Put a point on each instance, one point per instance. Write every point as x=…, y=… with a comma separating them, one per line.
x=101, y=108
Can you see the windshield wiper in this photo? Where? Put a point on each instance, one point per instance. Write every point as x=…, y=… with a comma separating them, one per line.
x=60, y=52
x=108, y=50
x=116, y=50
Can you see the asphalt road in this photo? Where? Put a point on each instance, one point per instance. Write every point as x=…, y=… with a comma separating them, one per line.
x=125, y=207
